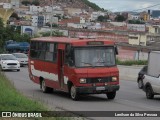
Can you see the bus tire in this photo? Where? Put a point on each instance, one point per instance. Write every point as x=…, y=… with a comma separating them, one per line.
x=44, y=88
x=73, y=93
x=111, y=95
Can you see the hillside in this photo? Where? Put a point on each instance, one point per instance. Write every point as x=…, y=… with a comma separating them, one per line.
x=70, y=3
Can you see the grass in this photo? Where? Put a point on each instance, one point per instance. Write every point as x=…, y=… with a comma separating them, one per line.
x=12, y=100
x=132, y=62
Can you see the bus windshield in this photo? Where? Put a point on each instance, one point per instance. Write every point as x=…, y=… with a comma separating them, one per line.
x=94, y=57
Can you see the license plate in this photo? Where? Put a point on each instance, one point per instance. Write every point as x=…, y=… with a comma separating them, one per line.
x=11, y=67
x=100, y=88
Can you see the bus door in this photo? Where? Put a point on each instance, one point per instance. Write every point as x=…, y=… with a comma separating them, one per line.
x=61, y=48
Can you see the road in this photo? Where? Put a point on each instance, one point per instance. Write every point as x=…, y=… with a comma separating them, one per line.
x=129, y=97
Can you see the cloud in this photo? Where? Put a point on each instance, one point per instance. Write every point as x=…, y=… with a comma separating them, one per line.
x=125, y=5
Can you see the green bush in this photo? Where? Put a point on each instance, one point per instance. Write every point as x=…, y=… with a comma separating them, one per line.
x=92, y=5
x=12, y=100
x=54, y=33
x=132, y=62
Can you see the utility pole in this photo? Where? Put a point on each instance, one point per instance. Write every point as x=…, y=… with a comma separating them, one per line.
x=51, y=19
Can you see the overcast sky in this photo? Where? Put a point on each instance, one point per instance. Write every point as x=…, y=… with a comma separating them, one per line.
x=126, y=5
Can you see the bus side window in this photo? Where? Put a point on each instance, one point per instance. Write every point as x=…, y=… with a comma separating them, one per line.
x=41, y=50
x=69, y=57
x=51, y=52
x=33, y=51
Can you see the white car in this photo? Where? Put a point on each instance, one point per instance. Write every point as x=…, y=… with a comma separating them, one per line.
x=9, y=62
x=22, y=58
x=151, y=86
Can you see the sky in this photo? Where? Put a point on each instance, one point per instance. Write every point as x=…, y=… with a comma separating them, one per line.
x=127, y=5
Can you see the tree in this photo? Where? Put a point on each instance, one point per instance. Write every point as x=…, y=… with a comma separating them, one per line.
x=15, y=15
x=2, y=29
x=120, y=18
x=92, y=5
x=55, y=33
x=102, y=18
x=136, y=22
x=1, y=23
x=36, y=3
x=53, y=25
x=26, y=3
x=11, y=33
x=59, y=17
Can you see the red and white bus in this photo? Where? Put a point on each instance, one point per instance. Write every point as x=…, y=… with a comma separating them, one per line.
x=77, y=66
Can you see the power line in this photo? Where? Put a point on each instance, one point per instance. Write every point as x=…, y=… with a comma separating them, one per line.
x=146, y=7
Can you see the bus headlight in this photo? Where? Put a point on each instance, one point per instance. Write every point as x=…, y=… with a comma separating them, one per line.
x=82, y=80
x=114, y=79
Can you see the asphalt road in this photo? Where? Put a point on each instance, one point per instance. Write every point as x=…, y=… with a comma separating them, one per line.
x=129, y=97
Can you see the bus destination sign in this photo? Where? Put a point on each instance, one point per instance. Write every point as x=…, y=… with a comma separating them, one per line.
x=95, y=43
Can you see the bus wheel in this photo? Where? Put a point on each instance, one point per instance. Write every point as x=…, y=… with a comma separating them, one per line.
x=111, y=95
x=45, y=89
x=73, y=93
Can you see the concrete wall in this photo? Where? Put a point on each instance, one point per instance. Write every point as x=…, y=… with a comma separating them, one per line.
x=129, y=72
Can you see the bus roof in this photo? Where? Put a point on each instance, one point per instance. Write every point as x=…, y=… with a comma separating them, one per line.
x=72, y=41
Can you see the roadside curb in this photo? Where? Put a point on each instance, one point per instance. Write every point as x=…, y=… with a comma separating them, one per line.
x=133, y=66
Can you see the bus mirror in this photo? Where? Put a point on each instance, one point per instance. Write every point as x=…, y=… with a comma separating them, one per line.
x=116, y=50
x=68, y=50
x=70, y=62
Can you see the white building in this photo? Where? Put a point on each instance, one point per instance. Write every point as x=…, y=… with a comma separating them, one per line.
x=135, y=17
x=15, y=3
x=95, y=15
x=82, y=20
x=6, y=5
x=48, y=9
x=136, y=27
x=74, y=25
x=36, y=9
x=54, y=20
x=118, y=23
x=47, y=19
x=96, y=26
x=34, y=20
x=58, y=12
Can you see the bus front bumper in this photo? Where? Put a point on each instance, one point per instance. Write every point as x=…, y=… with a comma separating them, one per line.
x=97, y=89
